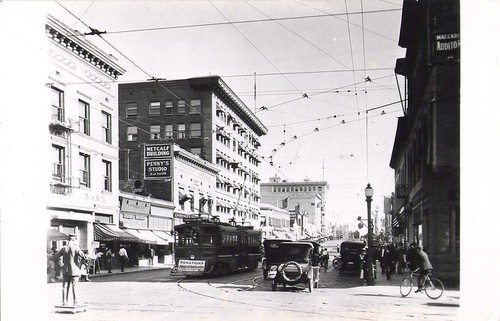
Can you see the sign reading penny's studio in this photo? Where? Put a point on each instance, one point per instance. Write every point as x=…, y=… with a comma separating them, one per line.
x=157, y=161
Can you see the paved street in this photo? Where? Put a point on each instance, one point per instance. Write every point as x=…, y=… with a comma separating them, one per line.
x=151, y=294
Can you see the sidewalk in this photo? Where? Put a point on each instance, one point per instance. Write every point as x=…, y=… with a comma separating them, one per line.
x=130, y=269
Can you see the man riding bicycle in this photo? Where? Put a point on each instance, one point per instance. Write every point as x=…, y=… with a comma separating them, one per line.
x=424, y=265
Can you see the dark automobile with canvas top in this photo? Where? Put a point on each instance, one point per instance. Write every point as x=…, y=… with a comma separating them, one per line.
x=271, y=254
x=295, y=265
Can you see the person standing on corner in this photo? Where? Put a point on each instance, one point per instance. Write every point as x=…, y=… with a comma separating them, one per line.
x=71, y=255
x=123, y=257
x=151, y=255
x=109, y=258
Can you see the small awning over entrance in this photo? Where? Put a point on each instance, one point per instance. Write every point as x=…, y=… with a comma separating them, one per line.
x=164, y=235
x=104, y=233
x=56, y=235
x=147, y=236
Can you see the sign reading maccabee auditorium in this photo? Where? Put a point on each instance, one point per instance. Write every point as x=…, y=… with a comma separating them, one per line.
x=157, y=161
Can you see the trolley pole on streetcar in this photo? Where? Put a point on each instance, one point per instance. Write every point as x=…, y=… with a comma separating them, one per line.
x=369, y=194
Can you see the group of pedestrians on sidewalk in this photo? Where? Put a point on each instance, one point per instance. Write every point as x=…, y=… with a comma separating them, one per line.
x=396, y=260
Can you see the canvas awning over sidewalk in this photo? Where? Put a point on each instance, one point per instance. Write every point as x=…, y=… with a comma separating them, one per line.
x=103, y=232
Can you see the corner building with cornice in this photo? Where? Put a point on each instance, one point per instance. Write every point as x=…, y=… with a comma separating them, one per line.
x=83, y=124
x=205, y=117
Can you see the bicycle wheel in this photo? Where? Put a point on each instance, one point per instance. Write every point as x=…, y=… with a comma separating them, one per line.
x=433, y=288
x=405, y=286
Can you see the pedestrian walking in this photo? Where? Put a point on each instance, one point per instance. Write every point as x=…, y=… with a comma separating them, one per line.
x=325, y=257
x=401, y=258
x=411, y=257
x=123, y=257
x=151, y=255
x=71, y=255
x=51, y=265
x=109, y=258
x=389, y=260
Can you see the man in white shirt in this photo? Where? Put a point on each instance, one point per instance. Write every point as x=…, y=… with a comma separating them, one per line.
x=123, y=257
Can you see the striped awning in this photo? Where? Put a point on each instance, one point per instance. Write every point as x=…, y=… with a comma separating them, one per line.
x=103, y=232
x=165, y=236
x=147, y=236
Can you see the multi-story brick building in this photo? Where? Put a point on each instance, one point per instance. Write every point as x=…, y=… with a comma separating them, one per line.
x=426, y=153
x=84, y=134
x=205, y=117
x=308, y=195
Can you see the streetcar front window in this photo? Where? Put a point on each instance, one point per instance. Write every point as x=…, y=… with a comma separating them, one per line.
x=195, y=236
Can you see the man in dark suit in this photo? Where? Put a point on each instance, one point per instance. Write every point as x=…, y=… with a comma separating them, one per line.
x=71, y=255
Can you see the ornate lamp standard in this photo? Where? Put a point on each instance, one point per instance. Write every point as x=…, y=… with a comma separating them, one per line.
x=369, y=194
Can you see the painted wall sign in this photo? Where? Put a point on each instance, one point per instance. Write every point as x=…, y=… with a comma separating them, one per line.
x=157, y=151
x=157, y=168
x=157, y=161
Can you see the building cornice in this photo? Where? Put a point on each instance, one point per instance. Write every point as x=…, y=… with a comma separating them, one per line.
x=188, y=157
x=217, y=84
x=76, y=43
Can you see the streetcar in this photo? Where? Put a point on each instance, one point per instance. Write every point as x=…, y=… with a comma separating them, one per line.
x=209, y=247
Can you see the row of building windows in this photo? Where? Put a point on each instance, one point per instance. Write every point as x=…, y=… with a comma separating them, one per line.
x=229, y=122
x=84, y=115
x=59, y=173
x=279, y=189
x=155, y=108
x=156, y=132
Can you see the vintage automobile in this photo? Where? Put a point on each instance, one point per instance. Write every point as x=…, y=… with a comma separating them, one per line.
x=295, y=265
x=271, y=254
x=350, y=259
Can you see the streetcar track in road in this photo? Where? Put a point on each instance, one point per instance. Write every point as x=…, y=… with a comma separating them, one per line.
x=273, y=307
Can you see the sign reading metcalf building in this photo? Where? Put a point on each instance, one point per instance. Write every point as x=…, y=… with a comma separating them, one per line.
x=157, y=161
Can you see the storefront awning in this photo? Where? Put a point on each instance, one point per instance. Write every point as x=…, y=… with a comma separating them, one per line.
x=56, y=235
x=104, y=233
x=147, y=236
x=164, y=235
x=280, y=235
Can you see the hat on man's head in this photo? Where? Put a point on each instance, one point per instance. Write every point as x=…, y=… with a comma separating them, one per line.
x=71, y=235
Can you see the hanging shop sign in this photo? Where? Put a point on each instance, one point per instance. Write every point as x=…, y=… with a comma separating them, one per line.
x=446, y=47
x=157, y=161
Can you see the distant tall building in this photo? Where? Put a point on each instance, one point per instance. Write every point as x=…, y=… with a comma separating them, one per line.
x=205, y=117
x=84, y=135
x=426, y=152
x=309, y=196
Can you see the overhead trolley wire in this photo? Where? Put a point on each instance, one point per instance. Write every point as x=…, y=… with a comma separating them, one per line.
x=298, y=35
x=212, y=24
x=255, y=47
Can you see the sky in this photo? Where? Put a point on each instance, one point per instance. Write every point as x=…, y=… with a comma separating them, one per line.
x=310, y=70
x=221, y=50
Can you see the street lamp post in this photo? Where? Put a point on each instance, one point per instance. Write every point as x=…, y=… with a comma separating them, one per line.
x=369, y=194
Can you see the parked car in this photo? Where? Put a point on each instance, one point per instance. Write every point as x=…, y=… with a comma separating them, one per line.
x=295, y=267
x=271, y=254
x=349, y=259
